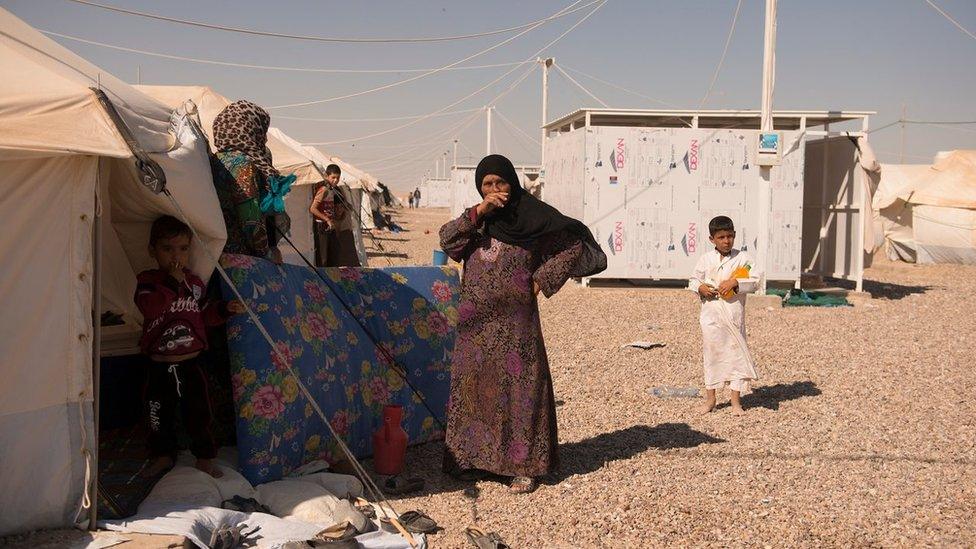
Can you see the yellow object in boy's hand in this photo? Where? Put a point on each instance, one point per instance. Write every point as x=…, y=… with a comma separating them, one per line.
x=741, y=272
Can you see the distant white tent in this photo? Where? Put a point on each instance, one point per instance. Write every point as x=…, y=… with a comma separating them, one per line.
x=290, y=157
x=927, y=214
x=76, y=225
x=436, y=192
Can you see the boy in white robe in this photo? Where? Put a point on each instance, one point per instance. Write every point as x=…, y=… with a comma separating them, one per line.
x=727, y=360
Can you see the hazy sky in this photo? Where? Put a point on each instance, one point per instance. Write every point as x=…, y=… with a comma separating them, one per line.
x=831, y=54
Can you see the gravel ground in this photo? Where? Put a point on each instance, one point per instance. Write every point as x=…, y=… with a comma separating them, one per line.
x=859, y=433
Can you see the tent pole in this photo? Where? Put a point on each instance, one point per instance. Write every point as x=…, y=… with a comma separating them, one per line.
x=96, y=341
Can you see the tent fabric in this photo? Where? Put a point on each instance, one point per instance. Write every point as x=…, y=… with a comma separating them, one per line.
x=925, y=214
x=63, y=164
x=944, y=235
x=45, y=338
x=412, y=311
x=47, y=108
x=209, y=103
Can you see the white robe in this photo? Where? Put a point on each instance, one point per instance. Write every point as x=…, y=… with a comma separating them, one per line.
x=726, y=355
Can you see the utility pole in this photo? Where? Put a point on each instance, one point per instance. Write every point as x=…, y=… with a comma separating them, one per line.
x=904, y=115
x=454, y=165
x=488, y=126
x=546, y=63
x=766, y=125
x=138, y=74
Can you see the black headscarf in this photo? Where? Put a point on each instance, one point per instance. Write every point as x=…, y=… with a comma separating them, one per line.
x=525, y=219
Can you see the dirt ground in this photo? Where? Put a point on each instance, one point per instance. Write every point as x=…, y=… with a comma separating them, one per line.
x=860, y=432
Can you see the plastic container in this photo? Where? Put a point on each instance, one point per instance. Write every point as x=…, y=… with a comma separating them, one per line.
x=440, y=258
x=741, y=272
x=390, y=442
x=675, y=392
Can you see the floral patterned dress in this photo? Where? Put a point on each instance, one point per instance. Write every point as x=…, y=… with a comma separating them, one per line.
x=501, y=414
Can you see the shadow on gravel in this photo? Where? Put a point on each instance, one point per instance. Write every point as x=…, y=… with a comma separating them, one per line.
x=592, y=454
x=771, y=396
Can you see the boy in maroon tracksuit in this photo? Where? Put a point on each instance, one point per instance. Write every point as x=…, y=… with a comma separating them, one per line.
x=173, y=303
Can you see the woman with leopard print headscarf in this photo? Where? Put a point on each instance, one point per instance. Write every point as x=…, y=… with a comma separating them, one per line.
x=243, y=175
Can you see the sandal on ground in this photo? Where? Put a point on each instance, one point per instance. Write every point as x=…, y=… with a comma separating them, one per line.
x=244, y=505
x=341, y=535
x=397, y=486
x=364, y=507
x=418, y=523
x=481, y=540
x=523, y=485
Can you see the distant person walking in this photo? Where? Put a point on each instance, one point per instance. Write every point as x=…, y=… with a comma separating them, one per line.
x=416, y=197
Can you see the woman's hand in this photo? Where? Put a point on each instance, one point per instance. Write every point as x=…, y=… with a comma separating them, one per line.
x=492, y=202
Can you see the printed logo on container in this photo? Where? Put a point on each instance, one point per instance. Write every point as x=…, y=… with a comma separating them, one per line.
x=616, y=240
x=689, y=242
x=691, y=157
x=613, y=180
x=617, y=155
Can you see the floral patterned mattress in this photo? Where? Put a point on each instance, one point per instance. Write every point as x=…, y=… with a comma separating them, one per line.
x=333, y=332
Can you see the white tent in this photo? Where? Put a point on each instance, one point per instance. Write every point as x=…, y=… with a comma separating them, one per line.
x=927, y=214
x=76, y=224
x=436, y=192
x=289, y=156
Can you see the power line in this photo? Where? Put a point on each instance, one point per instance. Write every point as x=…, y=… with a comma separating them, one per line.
x=419, y=76
x=437, y=142
x=513, y=125
x=531, y=149
x=265, y=67
x=621, y=88
x=951, y=20
x=580, y=86
x=472, y=94
x=941, y=123
x=721, y=61
x=389, y=119
x=325, y=38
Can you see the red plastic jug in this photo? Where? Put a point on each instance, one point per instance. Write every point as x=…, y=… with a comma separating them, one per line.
x=390, y=442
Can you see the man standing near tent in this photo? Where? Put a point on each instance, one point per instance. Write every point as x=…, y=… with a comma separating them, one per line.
x=416, y=197
x=335, y=245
